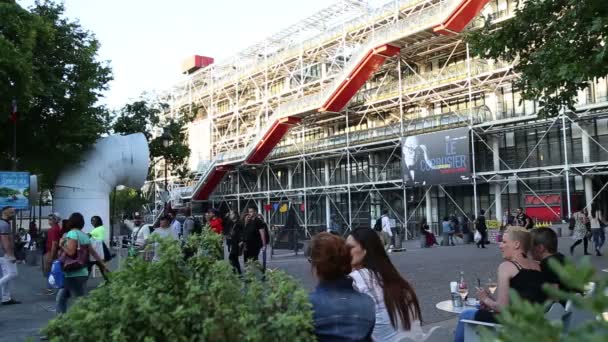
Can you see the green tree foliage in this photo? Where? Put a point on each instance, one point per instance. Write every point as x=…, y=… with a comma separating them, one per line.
x=49, y=65
x=144, y=115
x=561, y=46
x=126, y=201
x=198, y=299
x=523, y=321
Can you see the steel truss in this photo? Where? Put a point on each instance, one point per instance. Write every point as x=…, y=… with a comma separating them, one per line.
x=433, y=85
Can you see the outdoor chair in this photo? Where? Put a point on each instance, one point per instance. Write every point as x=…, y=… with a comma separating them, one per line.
x=555, y=313
x=435, y=334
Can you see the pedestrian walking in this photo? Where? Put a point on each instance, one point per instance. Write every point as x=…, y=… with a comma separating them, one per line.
x=23, y=244
x=580, y=232
x=176, y=226
x=524, y=220
x=234, y=239
x=164, y=231
x=75, y=248
x=7, y=256
x=482, y=228
x=189, y=225
x=447, y=232
x=216, y=224
x=596, y=221
x=99, y=232
x=254, y=235
x=51, y=248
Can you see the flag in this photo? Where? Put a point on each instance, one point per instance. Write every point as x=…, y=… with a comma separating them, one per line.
x=13, y=116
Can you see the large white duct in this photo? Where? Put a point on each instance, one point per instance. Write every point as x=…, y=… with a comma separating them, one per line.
x=86, y=187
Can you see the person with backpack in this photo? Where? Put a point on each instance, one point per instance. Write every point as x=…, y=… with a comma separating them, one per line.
x=383, y=229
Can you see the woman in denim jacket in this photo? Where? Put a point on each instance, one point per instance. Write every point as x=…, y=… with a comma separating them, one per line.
x=339, y=312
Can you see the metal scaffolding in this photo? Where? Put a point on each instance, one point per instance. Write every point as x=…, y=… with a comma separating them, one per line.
x=346, y=166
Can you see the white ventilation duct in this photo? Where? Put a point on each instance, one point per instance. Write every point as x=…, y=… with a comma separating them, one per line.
x=86, y=187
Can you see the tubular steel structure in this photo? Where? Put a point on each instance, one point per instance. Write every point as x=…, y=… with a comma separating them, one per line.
x=311, y=119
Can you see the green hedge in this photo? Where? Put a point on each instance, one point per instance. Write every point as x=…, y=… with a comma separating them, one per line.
x=198, y=299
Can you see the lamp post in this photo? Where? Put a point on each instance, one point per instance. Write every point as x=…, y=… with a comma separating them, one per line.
x=167, y=140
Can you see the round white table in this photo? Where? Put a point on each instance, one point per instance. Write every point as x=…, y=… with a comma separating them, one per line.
x=446, y=305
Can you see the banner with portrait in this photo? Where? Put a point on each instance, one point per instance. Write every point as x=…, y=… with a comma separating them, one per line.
x=437, y=158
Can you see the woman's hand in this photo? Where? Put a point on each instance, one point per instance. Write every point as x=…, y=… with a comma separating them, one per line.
x=484, y=296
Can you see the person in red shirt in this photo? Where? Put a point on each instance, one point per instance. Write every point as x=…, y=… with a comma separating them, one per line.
x=215, y=221
x=52, y=245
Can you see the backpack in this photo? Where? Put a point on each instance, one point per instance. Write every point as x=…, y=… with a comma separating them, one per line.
x=378, y=224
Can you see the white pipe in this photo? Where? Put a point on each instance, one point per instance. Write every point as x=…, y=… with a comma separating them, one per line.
x=86, y=187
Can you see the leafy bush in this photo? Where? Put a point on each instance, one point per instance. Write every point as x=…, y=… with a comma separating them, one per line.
x=193, y=299
x=524, y=321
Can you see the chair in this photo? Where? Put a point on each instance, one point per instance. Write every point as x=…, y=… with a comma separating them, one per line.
x=555, y=313
x=436, y=334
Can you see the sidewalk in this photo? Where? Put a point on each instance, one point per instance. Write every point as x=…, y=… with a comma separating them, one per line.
x=23, y=321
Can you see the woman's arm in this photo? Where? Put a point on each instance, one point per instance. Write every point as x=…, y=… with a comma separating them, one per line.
x=506, y=271
x=70, y=246
x=99, y=260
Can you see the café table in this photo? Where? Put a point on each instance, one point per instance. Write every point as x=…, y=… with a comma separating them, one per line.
x=447, y=305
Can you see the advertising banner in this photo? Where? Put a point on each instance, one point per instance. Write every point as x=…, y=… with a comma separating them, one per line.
x=14, y=189
x=437, y=158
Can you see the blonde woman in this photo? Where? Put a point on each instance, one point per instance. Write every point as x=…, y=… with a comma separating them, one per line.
x=516, y=272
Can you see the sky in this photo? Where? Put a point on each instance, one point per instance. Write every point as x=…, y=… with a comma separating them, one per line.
x=146, y=41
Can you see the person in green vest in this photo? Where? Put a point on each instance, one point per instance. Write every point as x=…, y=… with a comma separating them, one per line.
x=99, y=231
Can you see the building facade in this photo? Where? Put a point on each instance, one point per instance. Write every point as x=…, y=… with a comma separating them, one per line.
x=313, y=117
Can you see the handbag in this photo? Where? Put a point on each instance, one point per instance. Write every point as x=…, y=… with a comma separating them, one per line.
x=77, y=261
x=477, y=236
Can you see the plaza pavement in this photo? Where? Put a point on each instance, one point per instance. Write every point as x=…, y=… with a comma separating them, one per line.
x=429, y=271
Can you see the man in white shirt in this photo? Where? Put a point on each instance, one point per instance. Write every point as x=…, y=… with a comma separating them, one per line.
x=386, y=230
x=141, y=232
x=176, y=226
x=164, y=231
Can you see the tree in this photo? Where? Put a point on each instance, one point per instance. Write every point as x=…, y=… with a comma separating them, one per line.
x=126, y=201
x=561, y=46
x=195, y=299
x=144, y=116
x=49, y=66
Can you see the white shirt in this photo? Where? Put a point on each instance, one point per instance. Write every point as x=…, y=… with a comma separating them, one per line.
x=364, y=282
x=141, y=234
x=386, y=225
x=176, y=227
x=163, y=233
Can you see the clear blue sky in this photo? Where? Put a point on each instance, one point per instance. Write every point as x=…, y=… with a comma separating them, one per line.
x=146, y=41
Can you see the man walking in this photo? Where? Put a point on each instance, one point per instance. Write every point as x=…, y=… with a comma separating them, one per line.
x=389, y=240
x=254, y=235
x=176, y=226
x=7, y=256
x=524, y=220
x=165, y=231
x=482, y=228
x=51, y=247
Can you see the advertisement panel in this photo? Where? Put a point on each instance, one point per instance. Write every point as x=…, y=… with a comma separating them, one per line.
x=14, y=189
x=437, y=158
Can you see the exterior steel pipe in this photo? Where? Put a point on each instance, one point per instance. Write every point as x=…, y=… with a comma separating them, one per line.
x=86, y=187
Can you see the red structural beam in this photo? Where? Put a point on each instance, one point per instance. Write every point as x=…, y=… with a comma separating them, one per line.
x=271, y=138
x=214, y=178
x=360, y=74
x=461, y=17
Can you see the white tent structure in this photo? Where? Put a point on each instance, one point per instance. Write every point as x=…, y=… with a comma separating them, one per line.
x=85, y=187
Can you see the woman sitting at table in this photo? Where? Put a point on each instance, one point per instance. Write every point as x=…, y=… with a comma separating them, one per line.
x=396, y=305
x=339, y=312
x=517, y=272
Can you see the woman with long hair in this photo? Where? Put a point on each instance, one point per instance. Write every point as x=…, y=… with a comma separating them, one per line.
x=397, y=308
x=339, y=312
